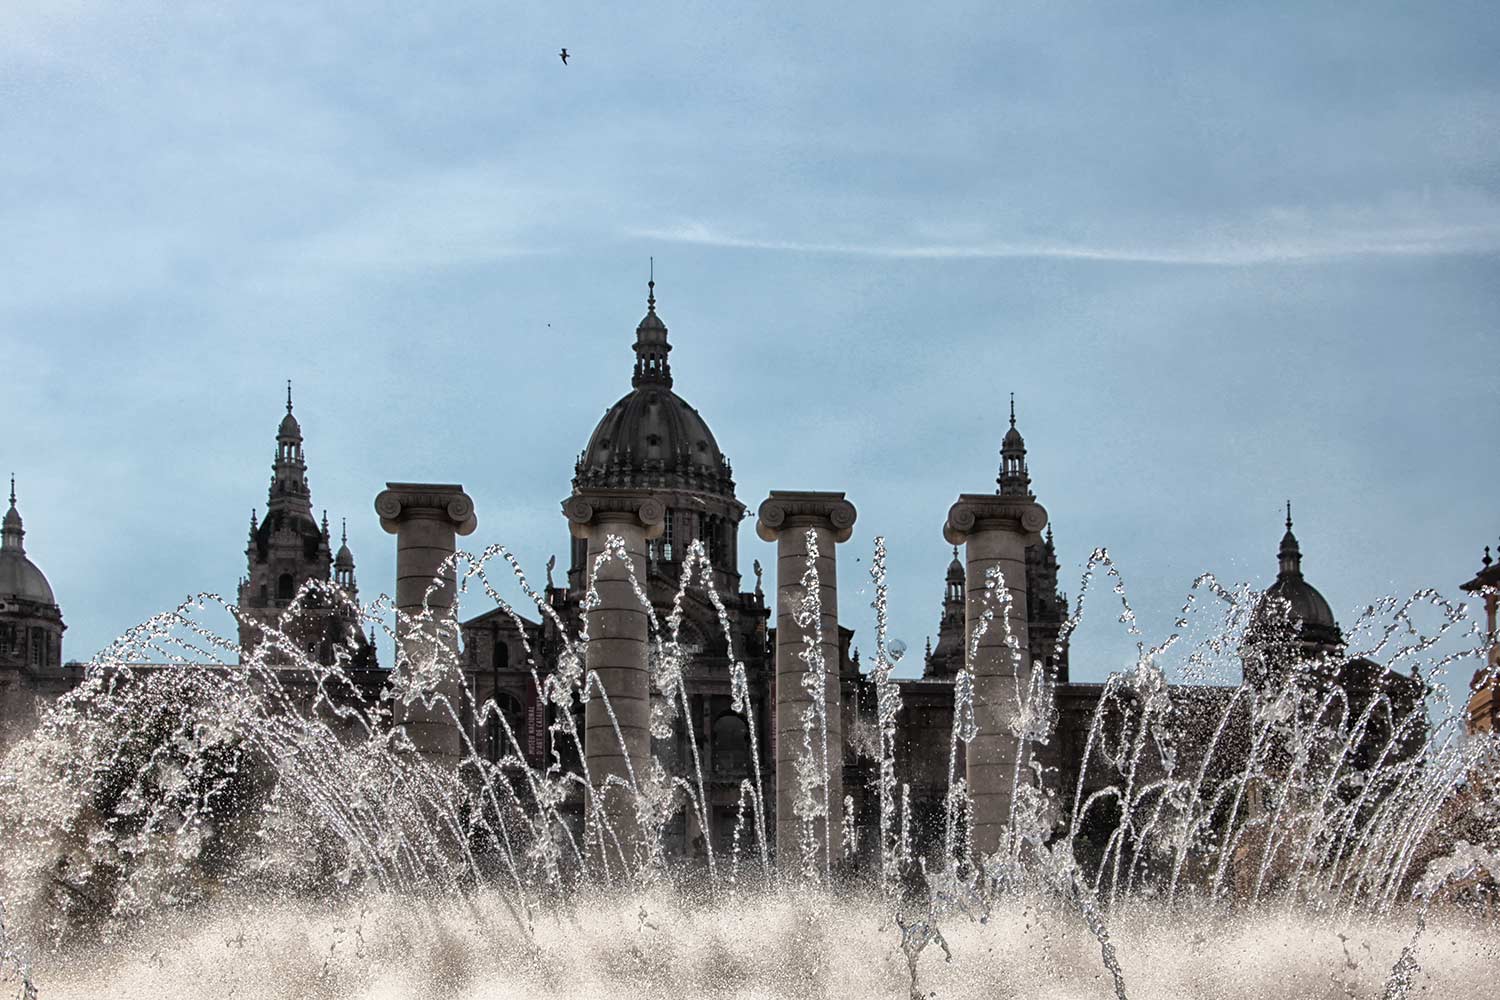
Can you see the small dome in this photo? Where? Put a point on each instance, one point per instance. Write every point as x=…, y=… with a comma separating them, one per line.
x=289, y=427
x=21, y=580
x=345, y=558
x=955, y=568
x=1013, y=438
x=12, y=520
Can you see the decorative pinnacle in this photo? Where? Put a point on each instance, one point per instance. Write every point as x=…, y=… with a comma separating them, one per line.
x=955, y=551
x=1013, y=409
x=651, y=286
x=344, y=533
x=289, y=395
x=1288, y=515
x=1487, y=560
x=12, y=489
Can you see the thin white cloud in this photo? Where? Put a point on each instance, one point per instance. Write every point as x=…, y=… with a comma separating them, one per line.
x=1262, y=245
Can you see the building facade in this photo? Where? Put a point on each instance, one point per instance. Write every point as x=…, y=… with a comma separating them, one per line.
x=32, y=669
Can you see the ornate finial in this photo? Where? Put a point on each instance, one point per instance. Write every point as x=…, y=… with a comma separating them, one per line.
x=1013, y=409
x=289, y=395
x=651, y=286
x=1486, y=560
x=1288, y=515
x=344, y=531
x=955, y=552
x=325, y=522
x=12, y=489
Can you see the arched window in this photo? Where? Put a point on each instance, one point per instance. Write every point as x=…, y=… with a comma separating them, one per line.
x=500, y=655
x=284, y=587
x=731, y=746
x=498, y=744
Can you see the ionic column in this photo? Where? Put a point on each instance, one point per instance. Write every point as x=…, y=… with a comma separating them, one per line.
x=618, y=630
x=785, y=518
x=425, y=517
x=995, y=531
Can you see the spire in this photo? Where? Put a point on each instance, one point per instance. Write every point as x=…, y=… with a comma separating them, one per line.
x=1290, y=553
x=11, y=533
x=1012, y=404
x=651, y=347
x=289, y=489
x=1014, y=480
x=343, y=562
x=343, y=531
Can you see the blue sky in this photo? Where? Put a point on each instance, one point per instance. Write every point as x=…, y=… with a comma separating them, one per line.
x=1224, y=255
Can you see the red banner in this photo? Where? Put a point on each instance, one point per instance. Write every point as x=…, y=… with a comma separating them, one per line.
x=536, y=728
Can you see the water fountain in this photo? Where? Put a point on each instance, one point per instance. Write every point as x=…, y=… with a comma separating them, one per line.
x=246, y=822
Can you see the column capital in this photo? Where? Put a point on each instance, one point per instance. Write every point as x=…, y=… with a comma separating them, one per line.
x=785, y=509
x=428, y=501
x=591, y=507
x=990, y=512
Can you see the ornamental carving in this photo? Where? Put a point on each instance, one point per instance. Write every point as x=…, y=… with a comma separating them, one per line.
x=792, y=509
x=587, y=508
x=444, y=501
x=976, y=512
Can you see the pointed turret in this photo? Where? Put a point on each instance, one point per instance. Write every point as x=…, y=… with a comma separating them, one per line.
x=946, y=658
x=651, y=347
x=343, y=563
x=13, y=533
x=1014, y=480
x=1289, y=555
x=289, y=490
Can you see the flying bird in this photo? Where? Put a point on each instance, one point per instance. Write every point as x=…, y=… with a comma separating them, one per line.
x=564, y=56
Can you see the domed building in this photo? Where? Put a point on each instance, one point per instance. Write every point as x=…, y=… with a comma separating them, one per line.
x=652, y=439
x=31, y=631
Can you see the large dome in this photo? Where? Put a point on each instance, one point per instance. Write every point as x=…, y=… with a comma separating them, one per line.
x=652, y=438
x=1307, y=605
x=19, y=577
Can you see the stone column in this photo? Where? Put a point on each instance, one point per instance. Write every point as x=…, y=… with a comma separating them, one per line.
x=425, y=517
x=995, y=531
x=619, y=631
x=785, y=518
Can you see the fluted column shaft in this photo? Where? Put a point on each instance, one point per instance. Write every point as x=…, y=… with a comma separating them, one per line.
x=425, y=518
x=785, y=518
x=995, y=532
x=617, y=651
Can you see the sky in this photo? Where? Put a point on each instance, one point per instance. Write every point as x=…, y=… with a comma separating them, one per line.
x=1225, y=255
